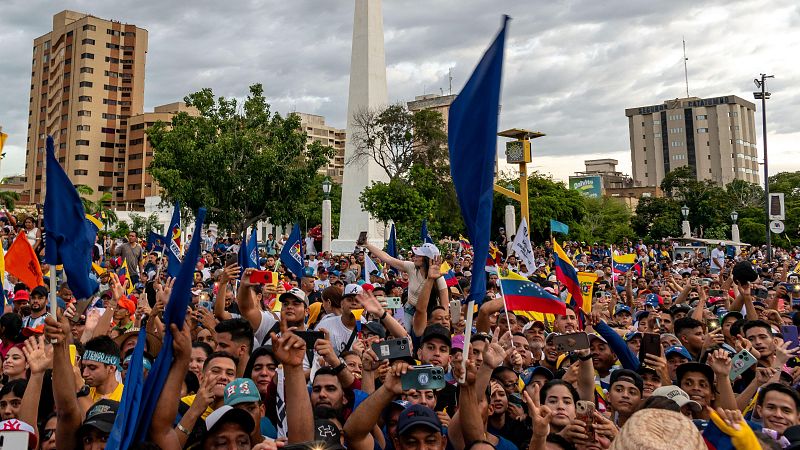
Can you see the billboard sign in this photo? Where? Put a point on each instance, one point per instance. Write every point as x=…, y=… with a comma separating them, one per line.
x=590, y=186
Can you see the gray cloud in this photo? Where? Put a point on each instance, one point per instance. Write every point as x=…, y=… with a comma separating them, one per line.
x=572, y=66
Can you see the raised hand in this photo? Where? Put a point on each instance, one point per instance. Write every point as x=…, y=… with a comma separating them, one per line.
x=324, y=348
x=720, y=362
x=289, y=348
x=392, y=381
x=434, y=268
x=231, y=272
x=117, y=289
x=784, y=354
x=540, y=415
x=181, y=340
x=493, y=355
x=38, y=355
x=370, y=304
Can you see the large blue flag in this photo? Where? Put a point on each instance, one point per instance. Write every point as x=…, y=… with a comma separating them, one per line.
x=391, y=246
x=248, y=252
x=472, y=137
x=292, y=253
x=174, y=312
x=70, y=237
x=558, y=227
x=425, y=237
x=174, y=240
x=125, y=423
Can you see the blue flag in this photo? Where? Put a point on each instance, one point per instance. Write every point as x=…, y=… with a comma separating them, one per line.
x=425, y=236
x=70, y=237
x=248, y=252
x=173, y=243
x=155, y=241
x=292, y=253
x=472, y=137
x=125, y=423
x=391, y=246
x=558, y=227
x=174, y=312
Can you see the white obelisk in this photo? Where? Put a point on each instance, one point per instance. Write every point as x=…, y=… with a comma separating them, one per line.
x=367, y=90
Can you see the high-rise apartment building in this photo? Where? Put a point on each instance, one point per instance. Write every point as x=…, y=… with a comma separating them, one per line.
x=715, y=136
x=87, y=80
x=138, y=183
x=439, y=103
x=318, y=131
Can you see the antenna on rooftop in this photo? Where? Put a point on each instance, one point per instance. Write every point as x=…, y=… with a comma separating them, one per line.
x=685, y=68
x=450, y=79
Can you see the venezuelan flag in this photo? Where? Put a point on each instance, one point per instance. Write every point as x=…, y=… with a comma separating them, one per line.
x=623, y=263
x=449, y=274
x=464, y=243
x=566, y=273
x=123, y=276
x=521, y=294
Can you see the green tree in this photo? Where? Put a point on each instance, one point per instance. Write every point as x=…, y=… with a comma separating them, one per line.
x=657, y=218
x=399, y=201
x=606, y=220
x=242, y=162
x=100, y=208
x=142, y=225
x=745, y=195
x=9, y=199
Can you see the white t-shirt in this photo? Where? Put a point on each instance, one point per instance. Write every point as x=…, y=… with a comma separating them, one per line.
x=717, y=254
x=416, y=280
x=268, y=320
x=338, y=333
x=320, y=285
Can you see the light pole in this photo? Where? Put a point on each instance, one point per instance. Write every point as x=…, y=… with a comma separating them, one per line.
x=763, y=95
x=326, y=216
x=687, y=231
x=735, y=229
x=510, y=218
x=519, y=152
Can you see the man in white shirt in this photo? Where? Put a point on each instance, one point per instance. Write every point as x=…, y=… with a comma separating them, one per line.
x=718, y=258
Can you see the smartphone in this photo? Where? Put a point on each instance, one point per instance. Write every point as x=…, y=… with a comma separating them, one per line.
x=362, y=238
x=80, y=309
x=206, y=304
x=790, y=335
x=455, y=311
x=793, y=279
x=651, y=345
x=584, y=411
x=423, y=377
x=13, y=440
x=393, y=302
x=231, y=258
x=570, y=342
x=311, y=337
x=760, y=293
x=715, y=292
x=740, y=362
x=391, y=349
x=73, y=353
x=264, y=277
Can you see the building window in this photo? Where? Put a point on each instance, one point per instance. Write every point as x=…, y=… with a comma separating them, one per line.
x=702, y=117
x=87, y=41
x=87, y=55
x=107, y=159
x=138, y=126
x=135, y=156
x=81, y=172
x=81, y=157
x=702, y=130
x=89, y=28
x=109, y=116
x=82, y=142
x=677, y=143
x=84, y=113
x=83, y=128
x=109, y=102
x=86, y=70
x=676, y=130
x=137, y=141
x=84, y=98
x=733, y=114
x=656, y=122
x=107, y=144
x=108, y=130
x=85, y=84
x=104, y=173
x=134, y=171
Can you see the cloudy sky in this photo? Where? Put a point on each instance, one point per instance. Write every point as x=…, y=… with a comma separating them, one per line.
x=572, y=67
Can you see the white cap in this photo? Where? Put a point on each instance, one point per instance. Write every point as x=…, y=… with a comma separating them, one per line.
x=15, y=425
x=677, y=395
x=296, y=293
x=426, y=249
x=352, y=289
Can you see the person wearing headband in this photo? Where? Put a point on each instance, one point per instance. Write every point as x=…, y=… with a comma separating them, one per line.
x=99, y=364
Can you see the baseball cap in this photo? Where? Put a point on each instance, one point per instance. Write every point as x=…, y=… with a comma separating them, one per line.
x=621, y=309
x=596, y=336
x=22, y=427
x=427, y=249
x=22, y=295
x=296, y=293
x=352, y=289
x=653, y=300
x=375, y=328
x=241, y=390
x=327, y=434
x=527, y=374
x=735, y=314
x=629, y=376
x=679, y=350
x=100, y=416
x=677, y=395
x=632, y=335
x=417, y=415
x=226, y=414
x=436, y=331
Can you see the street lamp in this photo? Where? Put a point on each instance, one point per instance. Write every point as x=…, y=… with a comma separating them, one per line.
x=734, y=217
x=687, y=231
x=326, y=216
x=326, y=188
x=763, y=95
x=735, y=230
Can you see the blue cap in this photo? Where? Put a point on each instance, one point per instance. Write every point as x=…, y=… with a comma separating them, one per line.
x=527, y=374
x=679, y=350
x=640, y=315
x=622, y=308
x=652, y=300
x=632, y=335
x=241, y=390
x=418, y=415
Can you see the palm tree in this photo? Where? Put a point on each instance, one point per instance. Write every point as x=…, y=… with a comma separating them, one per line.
x=100, y=208
x=8, y=199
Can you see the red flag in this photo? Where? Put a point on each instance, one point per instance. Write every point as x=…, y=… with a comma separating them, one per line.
x=21, y=261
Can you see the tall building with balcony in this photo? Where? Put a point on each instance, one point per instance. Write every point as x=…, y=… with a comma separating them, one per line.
x=87, y=80
x=318, y=131
x=715, y=136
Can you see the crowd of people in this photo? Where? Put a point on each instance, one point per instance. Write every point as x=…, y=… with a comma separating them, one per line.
x=687, y=351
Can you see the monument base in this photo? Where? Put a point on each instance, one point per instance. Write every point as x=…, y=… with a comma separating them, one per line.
x=348, y=246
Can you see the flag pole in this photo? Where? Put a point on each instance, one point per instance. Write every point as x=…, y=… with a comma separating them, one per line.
x=505, y=306
x=53, y=301
x=467, y=336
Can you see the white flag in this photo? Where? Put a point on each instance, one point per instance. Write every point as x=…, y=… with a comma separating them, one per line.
x=522, y=247
x=369, y=267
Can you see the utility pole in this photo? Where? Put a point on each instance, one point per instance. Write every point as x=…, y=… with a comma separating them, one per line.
x=519, y=151
x=763, y=95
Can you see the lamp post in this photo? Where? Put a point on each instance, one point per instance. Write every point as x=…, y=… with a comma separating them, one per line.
x=326, y=216
x=687, y=231
x=735, y=229
x=510, y=218
x=763, y=95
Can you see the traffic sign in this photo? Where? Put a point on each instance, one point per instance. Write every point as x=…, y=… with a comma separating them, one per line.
x=776, y=226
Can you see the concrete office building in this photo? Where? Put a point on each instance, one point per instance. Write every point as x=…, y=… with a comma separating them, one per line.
x=715, y=136
x=318, y=131
x=87, y=80
x=439, y=103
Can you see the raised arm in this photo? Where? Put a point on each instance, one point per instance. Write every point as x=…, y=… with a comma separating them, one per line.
x=161, y=430
x=360, y=423
x=69, y=415
x=420, y=319
x=290, y=350
x=374, y=308
x=246, y=299
x=486, y=310
x=229, y=273
x=39, y=359
x=586, y=375
x=385, y=257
